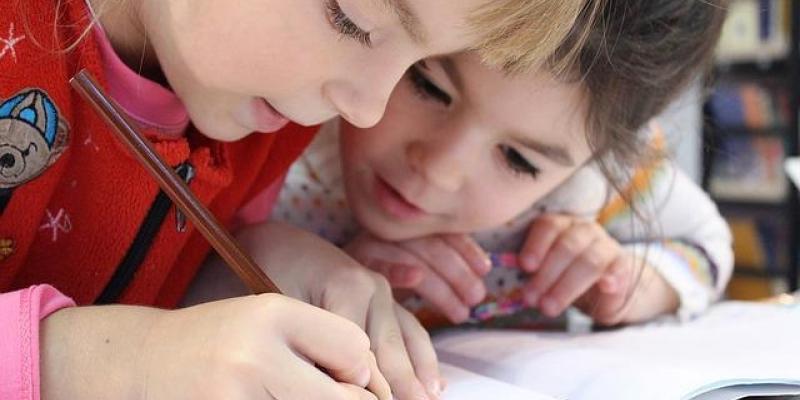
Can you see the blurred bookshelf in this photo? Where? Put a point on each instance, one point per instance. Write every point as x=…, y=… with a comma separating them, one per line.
x=751, y=127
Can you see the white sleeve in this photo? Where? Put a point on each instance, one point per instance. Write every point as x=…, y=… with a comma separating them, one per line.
x=678, y=230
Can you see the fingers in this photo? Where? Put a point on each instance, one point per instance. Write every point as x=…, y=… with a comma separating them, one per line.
x=446, y=262
x=470, y=251
x=544, y=231
x=611, y=298
x=400, y=276
x=444, y=270
x=564, y=248
x=309, y=382
x=336, y=344
x=358, y=393
x=438, y=293
x=390, y=349
x=349, y=297
x=402, y=268
x=584, y=271
x=378, y=385
x=420, y=350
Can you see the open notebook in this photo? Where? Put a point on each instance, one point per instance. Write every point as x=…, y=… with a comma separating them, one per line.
x=737, y=349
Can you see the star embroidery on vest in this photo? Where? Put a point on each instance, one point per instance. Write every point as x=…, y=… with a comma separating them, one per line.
x=89, y=142
x=10, y=43
x=59, y=222
x=6, y=248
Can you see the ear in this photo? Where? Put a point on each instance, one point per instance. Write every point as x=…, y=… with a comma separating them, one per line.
x=61, y=141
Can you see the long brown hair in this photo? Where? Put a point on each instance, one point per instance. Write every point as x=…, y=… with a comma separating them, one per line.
x=638, y=56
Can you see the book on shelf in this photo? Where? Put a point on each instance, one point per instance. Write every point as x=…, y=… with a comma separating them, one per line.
x=749, y=247
x=738, y=349
x=792, y=167
x=749, y=168
x=748, y=105
x=744, y=287
x=755, y=31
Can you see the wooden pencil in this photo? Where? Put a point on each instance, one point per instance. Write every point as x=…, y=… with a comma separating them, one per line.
x=205, y=222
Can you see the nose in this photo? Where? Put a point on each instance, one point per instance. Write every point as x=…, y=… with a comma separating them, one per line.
x=7, y=161
x=361, y=98
x=443, y=162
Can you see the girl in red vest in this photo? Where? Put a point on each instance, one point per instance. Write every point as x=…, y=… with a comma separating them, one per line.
x=82, y=223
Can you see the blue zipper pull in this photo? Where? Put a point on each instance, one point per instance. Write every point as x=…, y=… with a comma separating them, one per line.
x=185, y=171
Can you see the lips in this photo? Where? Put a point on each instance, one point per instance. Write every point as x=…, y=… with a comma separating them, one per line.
x=266, y=118
x=394, y=203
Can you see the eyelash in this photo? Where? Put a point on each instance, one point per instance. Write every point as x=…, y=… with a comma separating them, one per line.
x=344, y=25
x=517, y=163
x=426, y=89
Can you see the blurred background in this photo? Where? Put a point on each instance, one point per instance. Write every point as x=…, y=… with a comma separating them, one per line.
x=737, y=137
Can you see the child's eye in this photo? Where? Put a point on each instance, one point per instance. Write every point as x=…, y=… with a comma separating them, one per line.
x=517, y=163
x=344, y=25
x=427, y=89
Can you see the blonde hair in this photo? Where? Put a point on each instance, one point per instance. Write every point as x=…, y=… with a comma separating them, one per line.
x=53, y=43
x=518, y=36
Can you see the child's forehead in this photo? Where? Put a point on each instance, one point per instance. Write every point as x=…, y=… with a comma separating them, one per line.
x=534, y=85
x=440, y=24
x=514, y=34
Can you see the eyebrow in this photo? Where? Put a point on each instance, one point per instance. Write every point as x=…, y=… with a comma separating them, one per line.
x=451, y=69
x=557, y=154
x=408, y=19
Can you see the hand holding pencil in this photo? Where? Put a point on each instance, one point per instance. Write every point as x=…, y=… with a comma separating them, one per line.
x=260, y=332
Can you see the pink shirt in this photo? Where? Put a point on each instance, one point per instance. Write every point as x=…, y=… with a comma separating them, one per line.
x=20, y=313
x=155, y=106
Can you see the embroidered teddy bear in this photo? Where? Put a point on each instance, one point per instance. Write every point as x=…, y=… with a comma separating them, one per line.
x=32, y=137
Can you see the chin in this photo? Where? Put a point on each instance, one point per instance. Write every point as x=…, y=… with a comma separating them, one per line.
x=390, y=231
x=220, y=131
x=374, y=224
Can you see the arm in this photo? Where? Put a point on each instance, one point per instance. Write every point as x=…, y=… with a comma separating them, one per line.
x=242, y=348
x=310, y=269
x=681, y=235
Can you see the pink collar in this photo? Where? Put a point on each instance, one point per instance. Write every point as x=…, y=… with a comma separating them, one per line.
x=147, y=102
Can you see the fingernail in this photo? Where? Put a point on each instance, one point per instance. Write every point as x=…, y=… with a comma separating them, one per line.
x=477, y=293
x=460, y=315
x=487, y=262
x=610, y=285
x=549, y=307
x=397, y=276
x=421, y=394
x=530, y=263
x=362, y=378
x=435, y=389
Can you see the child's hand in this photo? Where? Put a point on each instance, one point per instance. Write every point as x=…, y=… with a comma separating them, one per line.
x=637, y=295
x=309, y=268
x=445, y=270
x=255, y=347
x=577, y=261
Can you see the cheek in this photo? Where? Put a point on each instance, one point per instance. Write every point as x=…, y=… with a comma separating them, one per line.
x=491, y=205
x=252, y=47
x=385, y=141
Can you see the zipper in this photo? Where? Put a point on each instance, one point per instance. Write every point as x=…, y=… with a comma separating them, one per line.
x=5, y=198
x=143, y=241
x=188, y=176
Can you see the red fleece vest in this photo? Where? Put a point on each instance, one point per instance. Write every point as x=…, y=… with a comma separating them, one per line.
x=75, y=204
